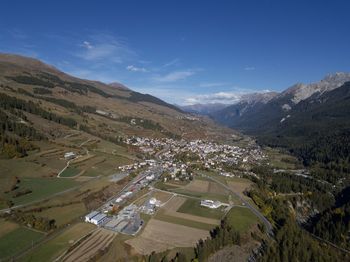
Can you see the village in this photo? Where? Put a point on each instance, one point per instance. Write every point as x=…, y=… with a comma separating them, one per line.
x=170, y=159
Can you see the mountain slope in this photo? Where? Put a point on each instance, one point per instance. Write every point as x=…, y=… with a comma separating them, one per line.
x=313, y=121
x=257, y=117
x=39, y=102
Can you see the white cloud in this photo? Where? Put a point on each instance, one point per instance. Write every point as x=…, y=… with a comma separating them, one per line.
x=173, y=62
x=249, y=68
x=174, y=76
x=215, y=84
x=107, y=48
x=220, y=97
x=224, y=97
x=136, y=69
x=87, y=45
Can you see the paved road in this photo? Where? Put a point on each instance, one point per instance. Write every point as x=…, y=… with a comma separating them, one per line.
x=269, y=228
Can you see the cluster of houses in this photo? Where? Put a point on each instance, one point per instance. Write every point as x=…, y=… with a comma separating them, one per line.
x=138, y=165
x=210, y=155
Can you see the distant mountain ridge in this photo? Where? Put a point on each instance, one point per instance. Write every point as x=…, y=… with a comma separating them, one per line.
x=203, y=109
x=310, y=120
x=262, y=114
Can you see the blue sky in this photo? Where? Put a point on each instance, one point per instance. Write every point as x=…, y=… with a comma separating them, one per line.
x=184, y=51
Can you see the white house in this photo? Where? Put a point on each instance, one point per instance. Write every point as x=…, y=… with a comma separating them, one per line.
x=69, y=155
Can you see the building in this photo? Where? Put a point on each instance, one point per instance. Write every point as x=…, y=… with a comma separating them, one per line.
x=210, y=203
x=88, y=217
x=69, y=155
x=96, y=218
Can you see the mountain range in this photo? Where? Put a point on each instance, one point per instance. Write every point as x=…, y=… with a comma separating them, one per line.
x=311, y=120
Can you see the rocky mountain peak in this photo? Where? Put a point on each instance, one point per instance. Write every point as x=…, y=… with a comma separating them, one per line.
x=302, y=91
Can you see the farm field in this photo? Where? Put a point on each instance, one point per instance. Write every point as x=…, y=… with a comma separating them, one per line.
x=65, y=214
x=193, y=207
x=42, y=188
x=161, y=196
x=70, y=171
x=241, y=218
x=281, y=161
x=159, y=236
x=239, y=185
x=7, y=227
x=17, y=240
x=56, y=246
x=219, y=197
x=99, y=240
x=169, y=213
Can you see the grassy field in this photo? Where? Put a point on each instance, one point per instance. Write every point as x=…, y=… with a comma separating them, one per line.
x=17, y=240
x=181, y=221
x=164, y=186
x=66, y=214
x=7, y=227
x=41, y=188
x=241, y=218
x=193, y=207
x=280, y=160
x=212, y=196
x=70, y=172
x=54, y=247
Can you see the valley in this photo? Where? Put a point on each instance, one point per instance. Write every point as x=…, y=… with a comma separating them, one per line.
x=98, y=172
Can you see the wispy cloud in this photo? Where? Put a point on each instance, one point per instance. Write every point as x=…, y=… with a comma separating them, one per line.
x=18, y=34
x=224, y=97
x=249, y=68
x=219, y=97
x=87, y=45
x=136, y=69
x=105, y=47
x=173, y=62
x=215, y=84
x=174, y=76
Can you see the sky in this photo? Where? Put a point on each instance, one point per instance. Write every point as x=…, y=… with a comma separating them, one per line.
x=184, y=52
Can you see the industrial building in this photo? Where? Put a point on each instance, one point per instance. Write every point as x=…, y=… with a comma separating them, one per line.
x=96, y=218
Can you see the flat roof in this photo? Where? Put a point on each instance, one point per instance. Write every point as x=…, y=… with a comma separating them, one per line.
x=99, y=217
x=92, y=214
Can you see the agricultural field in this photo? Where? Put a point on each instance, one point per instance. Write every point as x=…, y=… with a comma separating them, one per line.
x=193, y=207
x=57, y=245
x=41, y=188
x=17, y=240
x=280, y=160
x=169, y=213
x=239, y=185
x=159, y=236
x=7, y=227
x=70, y=171
x=64, y=215
x=98, y=240
x=241, y=218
